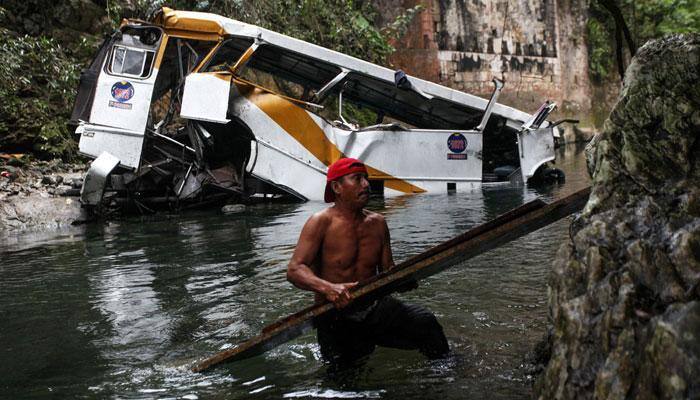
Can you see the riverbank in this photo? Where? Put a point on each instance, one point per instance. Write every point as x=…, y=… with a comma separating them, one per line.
x=39, y=195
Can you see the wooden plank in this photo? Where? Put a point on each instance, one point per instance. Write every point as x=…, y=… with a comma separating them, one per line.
x=503, y=229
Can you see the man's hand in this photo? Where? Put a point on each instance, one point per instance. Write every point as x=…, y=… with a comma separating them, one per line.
x=339, y=293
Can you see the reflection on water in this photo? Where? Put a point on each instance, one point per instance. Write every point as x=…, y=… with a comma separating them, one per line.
x=122, y=309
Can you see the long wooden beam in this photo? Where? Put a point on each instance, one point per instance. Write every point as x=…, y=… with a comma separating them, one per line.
x=503, y=229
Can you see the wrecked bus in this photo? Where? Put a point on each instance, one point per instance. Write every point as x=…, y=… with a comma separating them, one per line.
x=192, y=108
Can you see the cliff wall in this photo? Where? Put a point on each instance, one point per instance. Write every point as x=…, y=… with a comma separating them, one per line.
x=538, y=47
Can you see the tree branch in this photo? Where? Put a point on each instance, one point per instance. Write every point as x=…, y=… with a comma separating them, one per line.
x=620, y=23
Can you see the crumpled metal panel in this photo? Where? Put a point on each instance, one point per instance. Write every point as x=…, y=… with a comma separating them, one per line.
x=205, y=97
x=536, y=147
x=123, y=144
x=96, y=179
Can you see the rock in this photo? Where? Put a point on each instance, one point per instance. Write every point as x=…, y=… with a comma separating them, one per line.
x=673, y=345
x=69, y=192
x=38, y=212
x=233, y=208
x=53, y=180
x=76, y=183
x=624, y=292
x=80, y=15
x=31, y=202
x=17, y=162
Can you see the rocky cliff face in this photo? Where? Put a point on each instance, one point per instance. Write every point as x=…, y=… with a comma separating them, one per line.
x=624, y=291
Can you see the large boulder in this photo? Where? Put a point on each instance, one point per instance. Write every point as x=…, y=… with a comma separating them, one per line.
x=624, y=293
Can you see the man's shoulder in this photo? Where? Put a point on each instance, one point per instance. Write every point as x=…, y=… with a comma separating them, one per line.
x=373, y=217
x=317, y=224
x=322, y=217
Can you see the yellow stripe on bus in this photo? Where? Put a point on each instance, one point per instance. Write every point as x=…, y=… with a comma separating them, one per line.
x=299, y=124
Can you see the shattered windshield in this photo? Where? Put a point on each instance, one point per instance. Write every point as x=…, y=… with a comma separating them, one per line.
x=279, y=70
x=131, y=62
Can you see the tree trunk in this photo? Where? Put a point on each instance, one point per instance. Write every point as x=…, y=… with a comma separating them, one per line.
x=621, y=29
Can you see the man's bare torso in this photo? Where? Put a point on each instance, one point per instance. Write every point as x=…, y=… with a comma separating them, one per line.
x=351, y=248
x=341, y=245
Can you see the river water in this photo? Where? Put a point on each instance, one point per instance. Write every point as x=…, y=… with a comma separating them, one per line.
x=123, y=309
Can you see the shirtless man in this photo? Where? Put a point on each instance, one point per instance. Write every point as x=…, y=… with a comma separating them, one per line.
x=346, y=244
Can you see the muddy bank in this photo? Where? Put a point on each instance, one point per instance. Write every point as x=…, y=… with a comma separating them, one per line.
x=39, y=194
x=624, y=295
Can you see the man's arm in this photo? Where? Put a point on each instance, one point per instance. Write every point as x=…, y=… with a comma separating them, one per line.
x=300, y=273
x=387, y=256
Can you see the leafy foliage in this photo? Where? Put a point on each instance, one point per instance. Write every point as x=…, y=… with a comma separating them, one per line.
x=600, y=55
x=37, y=93
x=399, y=26
x=342, y=25
x=647, y=19
x=655, y=18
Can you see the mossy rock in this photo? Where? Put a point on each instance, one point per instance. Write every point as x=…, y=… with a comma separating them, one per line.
x=624, y=294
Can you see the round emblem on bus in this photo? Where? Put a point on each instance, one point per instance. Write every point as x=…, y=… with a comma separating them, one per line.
x=122, y=91
x=457, y=143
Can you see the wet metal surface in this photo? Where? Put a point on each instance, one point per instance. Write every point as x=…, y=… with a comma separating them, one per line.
x=123, y=309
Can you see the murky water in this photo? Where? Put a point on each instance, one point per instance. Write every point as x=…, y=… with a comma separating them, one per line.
x=122, y=309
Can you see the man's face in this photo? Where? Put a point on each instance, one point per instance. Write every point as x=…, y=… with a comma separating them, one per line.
x=352, y=189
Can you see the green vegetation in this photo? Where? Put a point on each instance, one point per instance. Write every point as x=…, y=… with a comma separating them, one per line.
x=600, y=55
x=337, y=24
x=646, y=19
x=37, y=92
x=655, y=18
x=342, y=25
